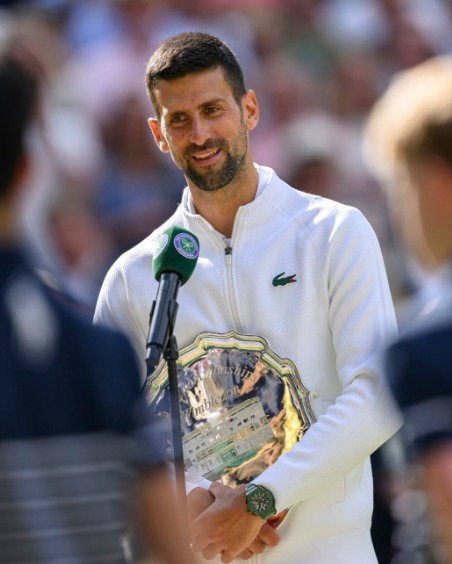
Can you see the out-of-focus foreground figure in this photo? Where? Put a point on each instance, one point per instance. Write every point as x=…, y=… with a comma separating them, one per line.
x=80, y=477
x=409, y=141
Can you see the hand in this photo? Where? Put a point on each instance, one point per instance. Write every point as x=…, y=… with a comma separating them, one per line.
x=227, y=527
x=198, y=500
x=267, y=536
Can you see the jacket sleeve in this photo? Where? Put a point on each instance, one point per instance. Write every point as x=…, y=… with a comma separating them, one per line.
x=114, y=310
x=362, y=321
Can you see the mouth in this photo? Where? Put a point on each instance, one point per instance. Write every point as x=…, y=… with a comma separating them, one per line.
x=206, y=156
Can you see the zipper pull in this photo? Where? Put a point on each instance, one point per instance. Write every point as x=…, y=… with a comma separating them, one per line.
x=228, y=253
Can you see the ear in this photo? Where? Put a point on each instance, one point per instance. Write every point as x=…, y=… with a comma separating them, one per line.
x=250, y=109
x=157, y=134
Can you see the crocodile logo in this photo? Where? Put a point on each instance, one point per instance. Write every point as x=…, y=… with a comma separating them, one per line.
x=280, y=281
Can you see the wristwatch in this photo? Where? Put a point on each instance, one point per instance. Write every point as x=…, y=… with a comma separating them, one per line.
x=259, y=501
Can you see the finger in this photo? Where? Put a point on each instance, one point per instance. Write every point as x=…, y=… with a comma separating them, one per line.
x=195, y=528
x=268, y=535
x=256, y=547
x=227, y=556
x=198, y=500
x=199, y=544
x=246, y=554
x=214, y=487
x=211, y=551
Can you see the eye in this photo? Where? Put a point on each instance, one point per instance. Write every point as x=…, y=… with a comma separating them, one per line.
x=212, y=109
x=178, y=118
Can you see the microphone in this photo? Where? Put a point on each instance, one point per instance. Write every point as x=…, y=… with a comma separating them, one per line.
x=176, y=253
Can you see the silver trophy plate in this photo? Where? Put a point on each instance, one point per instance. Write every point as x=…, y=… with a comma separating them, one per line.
x=241, y=406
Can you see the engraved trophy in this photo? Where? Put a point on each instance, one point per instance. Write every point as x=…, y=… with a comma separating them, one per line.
x=241, y=406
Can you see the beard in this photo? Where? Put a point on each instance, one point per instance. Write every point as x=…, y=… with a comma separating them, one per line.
x=212, y=178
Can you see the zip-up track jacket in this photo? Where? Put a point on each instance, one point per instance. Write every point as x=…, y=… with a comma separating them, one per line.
x=333, y=322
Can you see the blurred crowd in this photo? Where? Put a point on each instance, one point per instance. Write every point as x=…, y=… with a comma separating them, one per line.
x=99, y=185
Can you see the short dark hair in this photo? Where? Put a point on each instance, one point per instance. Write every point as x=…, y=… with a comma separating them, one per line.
x=18, y=98
x=192, y=52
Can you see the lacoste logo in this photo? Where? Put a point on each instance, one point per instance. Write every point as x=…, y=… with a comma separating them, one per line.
x=279, y=281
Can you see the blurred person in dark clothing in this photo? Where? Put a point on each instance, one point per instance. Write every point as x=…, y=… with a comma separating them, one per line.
x=410, y=133
x=80, y=477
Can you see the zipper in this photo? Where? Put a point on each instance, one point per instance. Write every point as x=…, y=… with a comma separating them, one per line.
x=227, y=246
x=228, y=253
x=230, y=285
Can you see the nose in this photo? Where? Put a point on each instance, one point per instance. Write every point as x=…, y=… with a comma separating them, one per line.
x=199, y=132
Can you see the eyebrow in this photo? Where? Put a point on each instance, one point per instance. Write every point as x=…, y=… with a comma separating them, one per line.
x=209, y=103
x=201, y=106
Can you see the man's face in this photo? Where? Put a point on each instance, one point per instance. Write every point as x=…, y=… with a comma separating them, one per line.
x=432, y=183
x=405, y=212
x=203, y=127
x=424, y=210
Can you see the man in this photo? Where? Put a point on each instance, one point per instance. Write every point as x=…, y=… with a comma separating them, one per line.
x=409, y=135
x=76, y=442
x=280, y=327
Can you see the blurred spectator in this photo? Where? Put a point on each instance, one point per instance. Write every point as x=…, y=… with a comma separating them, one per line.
x=409, y=140
x=64, y=153
x=82, y=247
x=81, y=479
x=135, y=189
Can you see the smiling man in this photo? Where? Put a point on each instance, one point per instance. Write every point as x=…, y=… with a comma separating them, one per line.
x=281, y=325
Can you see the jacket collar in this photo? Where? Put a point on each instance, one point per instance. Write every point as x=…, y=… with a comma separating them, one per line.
x=254, y=213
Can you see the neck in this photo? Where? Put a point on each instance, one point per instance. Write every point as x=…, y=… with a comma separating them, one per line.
x=219, y=207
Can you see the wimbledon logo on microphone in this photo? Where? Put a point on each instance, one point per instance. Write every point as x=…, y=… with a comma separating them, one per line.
x=186, y=245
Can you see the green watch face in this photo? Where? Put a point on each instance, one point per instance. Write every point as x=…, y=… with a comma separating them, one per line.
x=259, y=501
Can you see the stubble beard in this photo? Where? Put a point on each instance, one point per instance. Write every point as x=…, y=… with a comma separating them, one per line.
x=211, y=179
x=214, y=180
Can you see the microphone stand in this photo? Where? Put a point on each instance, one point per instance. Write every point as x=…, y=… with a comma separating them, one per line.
x=171, y=355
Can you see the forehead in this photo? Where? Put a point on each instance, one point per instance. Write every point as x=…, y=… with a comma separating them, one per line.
x=191, y=91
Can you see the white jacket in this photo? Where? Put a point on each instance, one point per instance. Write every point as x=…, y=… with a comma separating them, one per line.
x=332, y=323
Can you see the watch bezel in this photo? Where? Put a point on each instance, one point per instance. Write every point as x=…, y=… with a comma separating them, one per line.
x=252, y=491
